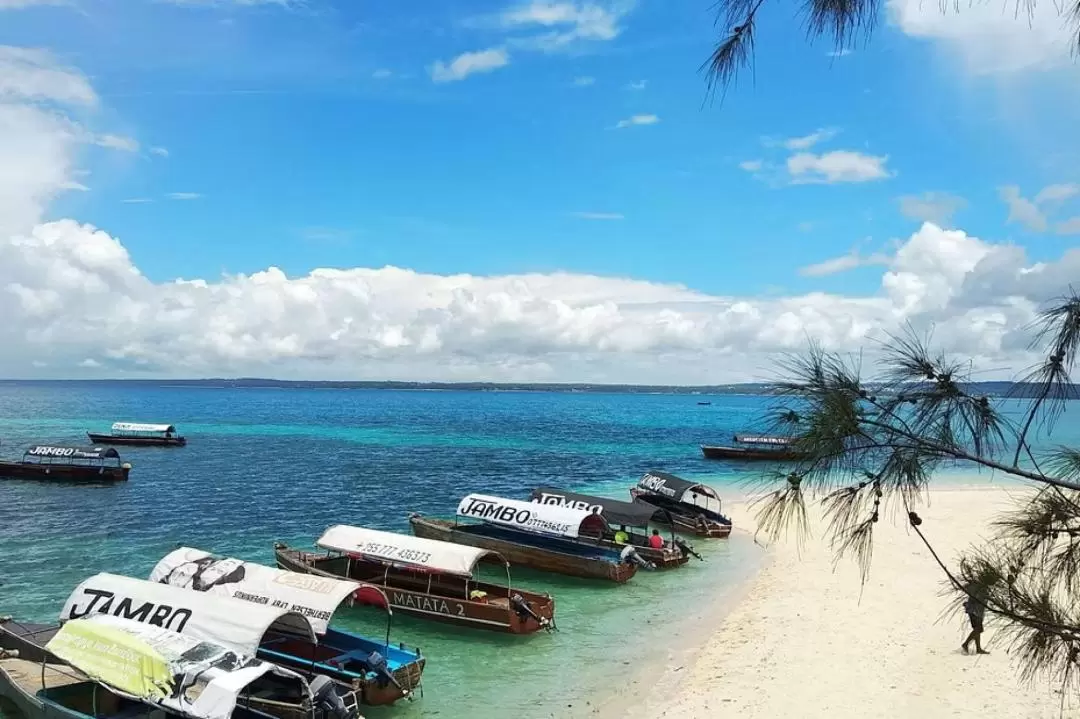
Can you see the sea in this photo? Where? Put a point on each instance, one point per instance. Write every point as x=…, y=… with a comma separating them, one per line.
x=266, y=465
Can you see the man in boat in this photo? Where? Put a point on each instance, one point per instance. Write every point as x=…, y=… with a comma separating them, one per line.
x=656, y=541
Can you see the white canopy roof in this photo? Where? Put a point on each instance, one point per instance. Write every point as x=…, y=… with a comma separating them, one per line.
x=553, y=519
x=133, y=427
x=315, y=597
x=238, y=625
x=145, y=662
x=403, y=549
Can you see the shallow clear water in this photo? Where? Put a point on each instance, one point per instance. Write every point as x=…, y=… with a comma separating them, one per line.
x=266, y=465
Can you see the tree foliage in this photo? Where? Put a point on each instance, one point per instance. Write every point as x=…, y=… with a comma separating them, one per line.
x=844, y=22
x=867, y=444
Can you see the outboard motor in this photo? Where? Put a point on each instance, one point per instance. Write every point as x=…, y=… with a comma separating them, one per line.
x=523, y=610
x=630, y=556
x=686, y=549
x=327, y=699
x=377, y=663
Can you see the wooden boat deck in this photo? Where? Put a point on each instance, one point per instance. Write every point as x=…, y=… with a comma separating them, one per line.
x=26, y=675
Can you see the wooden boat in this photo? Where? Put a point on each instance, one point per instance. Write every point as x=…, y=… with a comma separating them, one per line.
x=754, y=448
x=68, y=464
x=379, y=671
x=140, y=435
x=689, y=507
x=425, y=578
x=533, y=535
x=110, y=667
x=622, y=518
x=283, y=635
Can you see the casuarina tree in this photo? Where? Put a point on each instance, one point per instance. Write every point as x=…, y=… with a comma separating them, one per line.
x=866, y=442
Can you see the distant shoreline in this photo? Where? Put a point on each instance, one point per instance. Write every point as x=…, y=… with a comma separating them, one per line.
x=994, y=389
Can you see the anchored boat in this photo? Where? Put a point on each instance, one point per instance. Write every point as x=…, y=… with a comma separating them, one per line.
x=140, y=435
x=622, y=519
x=528, y=534
x=68, y=464
x=380, y=672
x=754, y=448
x=690, y=507
x=111, y=667
x=425, y=578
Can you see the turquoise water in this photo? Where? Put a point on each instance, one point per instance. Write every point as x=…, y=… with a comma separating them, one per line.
x=266, y=465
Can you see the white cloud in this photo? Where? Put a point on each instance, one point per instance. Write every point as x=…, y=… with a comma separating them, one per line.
x=843, y=263
x=1021, y=209
x=842, y=52
x=752, y=165
x=1070, y=226
x=637, y=120
x=836, y=166
x=469, y=63
x=1057, y=193
x=991, y=38
x=136, y=200
x=159, y=151
x=183, y=195
x=639, y=85
x=117, y=142
x=599, y=215
x=74, y=185
x=936, y=207
x=20, y=4
x=584, y=81
x=1036, y=214
x=568, y=22
x=35, y=74
x=382, y=74
x=808, y=141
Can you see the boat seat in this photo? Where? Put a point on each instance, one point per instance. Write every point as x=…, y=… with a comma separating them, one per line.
x=500, y=601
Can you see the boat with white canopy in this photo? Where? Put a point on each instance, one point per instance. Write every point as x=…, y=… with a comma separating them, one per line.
x=691, y=507
x=424, y=578
x=381, y=672
x=140, y=435
x=529, y=534
x=110, y=667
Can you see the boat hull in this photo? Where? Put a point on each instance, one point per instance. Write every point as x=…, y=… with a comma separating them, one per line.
x=408, y=596
x=749, y=454
x=545, y=560
x=137, y=441
x=684, y=523
x=62, y=473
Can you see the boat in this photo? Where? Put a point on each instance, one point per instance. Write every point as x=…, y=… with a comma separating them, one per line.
x=379, y=671
x=140, y=435
x=690, y=507
x=754, y=448
x=622, y=518
x=67, y=464
x=111, y=667
x=425, y=578
x=538, y=536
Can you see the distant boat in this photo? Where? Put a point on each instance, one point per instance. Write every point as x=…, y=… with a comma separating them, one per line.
x=140, y=435
x=690, y=507
x=704, y=404
x=67, y=464
x=540, y=536
x=755, y=448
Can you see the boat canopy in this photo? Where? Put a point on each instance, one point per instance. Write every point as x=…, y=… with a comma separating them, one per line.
x=71, y=453
x=317, y=598
x=146, y=428
x=403, y=550
x=614, y=511
x=680, y=490
x=144, y=662
x=550, y=519
x=762, y=439
x=236, y=624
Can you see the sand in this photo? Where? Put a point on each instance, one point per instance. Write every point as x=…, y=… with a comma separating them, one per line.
x=808, y=641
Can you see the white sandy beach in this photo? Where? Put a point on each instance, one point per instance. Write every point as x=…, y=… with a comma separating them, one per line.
x=805, y=641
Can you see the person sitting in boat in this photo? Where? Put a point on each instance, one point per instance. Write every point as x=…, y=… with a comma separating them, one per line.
x=656, y=541
x=621, y=537
x=478, y=595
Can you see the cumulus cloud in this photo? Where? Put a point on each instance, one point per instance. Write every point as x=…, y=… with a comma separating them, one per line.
x=836, y=166
x=936, y=207
x=470, y=63
x=991, y=39
x=35, y=74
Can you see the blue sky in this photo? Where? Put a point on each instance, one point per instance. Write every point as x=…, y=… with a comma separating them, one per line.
x=236, y=135
x=305, y=156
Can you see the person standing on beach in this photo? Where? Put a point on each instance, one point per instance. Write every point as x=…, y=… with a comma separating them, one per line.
x=976, y=611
